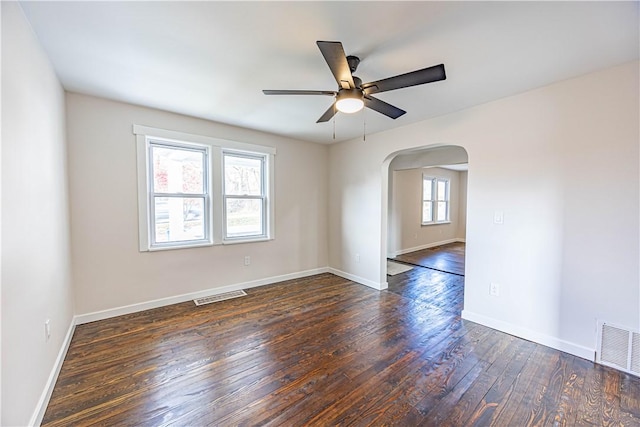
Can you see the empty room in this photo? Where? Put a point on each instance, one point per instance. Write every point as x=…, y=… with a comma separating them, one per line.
x=320, y=213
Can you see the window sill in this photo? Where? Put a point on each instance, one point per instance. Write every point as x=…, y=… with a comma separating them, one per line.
x=435, y=223
x=249, y=240
x=206, y=244
x=178, y=246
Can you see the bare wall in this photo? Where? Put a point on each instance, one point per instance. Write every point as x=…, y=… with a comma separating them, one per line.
x=36, y=274
x=462, y=203
x=108, y=269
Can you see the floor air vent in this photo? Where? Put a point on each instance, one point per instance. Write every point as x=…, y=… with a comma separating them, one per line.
x=219, y=297
x=619, y=348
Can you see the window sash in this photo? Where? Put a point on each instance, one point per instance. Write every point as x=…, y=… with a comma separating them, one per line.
x=232, y=235
x=438, y=204
x=427, y=211
x=228, y=235
x=153, y=196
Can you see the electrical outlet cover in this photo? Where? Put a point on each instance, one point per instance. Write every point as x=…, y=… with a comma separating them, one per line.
x=494, y=290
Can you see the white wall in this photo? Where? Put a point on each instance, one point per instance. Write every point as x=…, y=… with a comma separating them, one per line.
x=406, y=232
x=462, y=205
x=36, y=282
x=110, y=272
x=568, y=250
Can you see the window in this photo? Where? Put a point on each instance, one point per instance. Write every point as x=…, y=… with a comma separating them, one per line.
x=199, y=191
x=435, y=200
x=244, y=196
x=178, y=194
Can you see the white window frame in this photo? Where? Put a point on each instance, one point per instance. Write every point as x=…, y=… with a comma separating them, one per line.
x=206, y=195
x=146, y=135
x=433, y=181
x=263, y=197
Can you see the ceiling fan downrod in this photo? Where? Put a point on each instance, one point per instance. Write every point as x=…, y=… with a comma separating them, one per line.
x=353, y=62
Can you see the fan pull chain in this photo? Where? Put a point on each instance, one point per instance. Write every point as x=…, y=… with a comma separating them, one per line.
x=364, y=125
x=334, y=121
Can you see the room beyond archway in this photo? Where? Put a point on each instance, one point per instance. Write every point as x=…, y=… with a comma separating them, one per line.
x=426, y=209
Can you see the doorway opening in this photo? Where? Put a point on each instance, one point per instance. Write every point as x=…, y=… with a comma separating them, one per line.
x=426, y=216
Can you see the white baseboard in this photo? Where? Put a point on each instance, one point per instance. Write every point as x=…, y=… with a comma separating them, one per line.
x=425, y=246
x=43, y=402
x=370, y=283
x=134, y=308
x=527, y=334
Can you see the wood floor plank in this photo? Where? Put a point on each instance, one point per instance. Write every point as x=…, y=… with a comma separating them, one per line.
x=492, y=403
x=569, y=399
x=533, y=394
x=630, y=387
x=477, y=405
x=435, y=406
x=518, y=401
x=612, y=415
x=436, y=414
x=592, y=392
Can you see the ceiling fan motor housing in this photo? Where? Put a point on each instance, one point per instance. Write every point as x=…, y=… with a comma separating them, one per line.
x=350, y=93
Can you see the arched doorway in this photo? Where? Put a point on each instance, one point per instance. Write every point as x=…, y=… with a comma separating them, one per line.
x=413, y=217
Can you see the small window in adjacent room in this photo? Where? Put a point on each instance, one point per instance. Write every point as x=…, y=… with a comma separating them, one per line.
x=245, y=201
x=435, y=200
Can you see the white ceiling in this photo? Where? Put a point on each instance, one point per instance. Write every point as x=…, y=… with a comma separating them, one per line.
x=458, y=168
x=212, y=59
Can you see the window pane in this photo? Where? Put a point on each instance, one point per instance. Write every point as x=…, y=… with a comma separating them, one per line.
x=242, y=176
x=177, y=170
x=427, y=214
x=426, y=189
x=442, y=211
x=179, y=219
x=244, y=217
x=442, y=190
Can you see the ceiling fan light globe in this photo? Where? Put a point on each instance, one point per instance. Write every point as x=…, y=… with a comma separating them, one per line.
x=349, y=105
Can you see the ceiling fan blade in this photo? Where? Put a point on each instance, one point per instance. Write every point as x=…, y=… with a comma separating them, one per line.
x=299, y=92
x=328, y=114
x=382, y=107
x=337, y=60
x=414, y=78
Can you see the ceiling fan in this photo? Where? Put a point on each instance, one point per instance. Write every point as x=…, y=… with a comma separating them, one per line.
x=352, y=94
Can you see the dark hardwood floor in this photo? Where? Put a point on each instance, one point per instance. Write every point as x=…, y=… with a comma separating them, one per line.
x=326, y=351
x=447, y=258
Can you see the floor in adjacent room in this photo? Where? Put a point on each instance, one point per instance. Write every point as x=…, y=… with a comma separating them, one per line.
x=324, y=351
